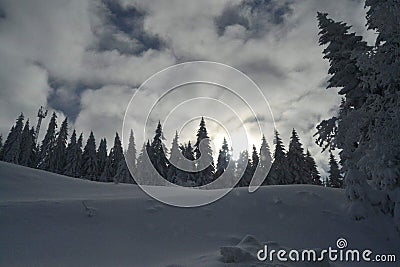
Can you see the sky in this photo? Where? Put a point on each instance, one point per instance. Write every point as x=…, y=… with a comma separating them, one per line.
x=85, y=59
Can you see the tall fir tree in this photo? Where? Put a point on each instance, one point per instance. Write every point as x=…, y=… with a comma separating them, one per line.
x=27, y=141
x=335, y=178
x=123, y=174
x=47, y=146
x=183, y=177
x=255, y=159
x=206, y=175
x=174, y=158
x=223, y=159
x=58, y=155
x=131, y=153
x=89, y=169
x=156, y=153
x=312, y=170
x=296, y=161
x=1, y=145
x=101, y=156
x=279, y=173
x=74, y=156
x=11, y=148
x=265, y=158
x=108, y=172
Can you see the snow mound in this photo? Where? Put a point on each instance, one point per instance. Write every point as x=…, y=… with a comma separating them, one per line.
x=245, y=251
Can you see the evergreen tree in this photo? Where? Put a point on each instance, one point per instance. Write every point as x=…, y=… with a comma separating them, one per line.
x=296, y=161
x=279, y=173
x=131, y=153
x=255, y=159
x=58, y=155
x=265, y=158
x=108, y=172
x=223, y=159
x=101, y=156
x=27, y=140
x=74, y=156
x=204, y=176
x=186, y=178
x=335, y=178
x=175, y=157
x=312, y=170
x=47, y=147
x=34, y=149
x=156, y=153
x=244, y=169
x=89, y=169
x=123, y=174
x=11, y=148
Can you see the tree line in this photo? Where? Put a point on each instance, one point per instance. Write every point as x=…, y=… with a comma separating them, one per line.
x=57, y=154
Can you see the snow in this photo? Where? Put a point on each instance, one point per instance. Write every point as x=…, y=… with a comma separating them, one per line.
x=53, y=220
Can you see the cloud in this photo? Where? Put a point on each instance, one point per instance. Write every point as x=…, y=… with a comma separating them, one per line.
x=84, y=58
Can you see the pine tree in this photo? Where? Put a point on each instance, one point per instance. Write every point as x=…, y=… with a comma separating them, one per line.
x=131, y=153
x=101, y=156
x=123, y=174
x=58, y=155
x=296, y=161
x=279, y=173
x=223, y=159
x=74, y=156
x=174, y=159
x=312, y=170
x=26, y=145
x=204, y=176
x=11, y=148
x=183, y=177
x=335, y=178
x=108, y=172
x=89, y=169
x=145, y=169
x=47, y=147
x=265, y=159
x=244, y=169
x=156, y=153
x=255, y=159
x=34, y=150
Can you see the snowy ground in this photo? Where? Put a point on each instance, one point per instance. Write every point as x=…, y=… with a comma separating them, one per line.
x=44, y=222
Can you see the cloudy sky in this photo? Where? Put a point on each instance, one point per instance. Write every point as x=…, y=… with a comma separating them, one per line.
x=85, y=59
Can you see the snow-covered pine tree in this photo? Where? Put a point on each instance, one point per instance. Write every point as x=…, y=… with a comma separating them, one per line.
x=244, y=168
x=101, y=156
x=186, y=178
x=108, y=171
x=156, y=153
x=265, y=158
x=368, y=134
x=279, y=173
x=34, y=150
x=89, y=169
x=26, y=146
x=11, y=148
x=58, y=156
x=296, y=161
x=312, y=170
x=47, y=147
x=223, y=158
x=74, y=156
x=255, y=159
x=174, y=158
x=335, y=178
x=123, y=174
x=207, y=175
x=130, y=154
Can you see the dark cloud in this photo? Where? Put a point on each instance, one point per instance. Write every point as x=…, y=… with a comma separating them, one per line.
x=256, y=16
x=121, y=28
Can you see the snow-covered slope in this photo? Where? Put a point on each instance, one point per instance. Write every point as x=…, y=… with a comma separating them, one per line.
x=52, y=220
